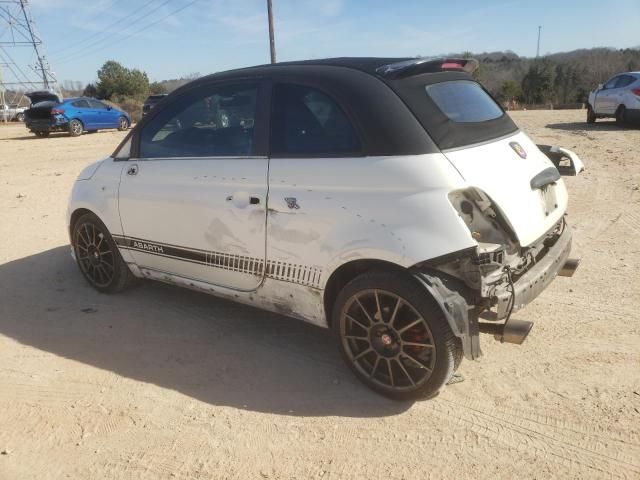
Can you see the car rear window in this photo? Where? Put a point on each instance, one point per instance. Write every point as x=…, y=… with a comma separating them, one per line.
x=464, y=101
x=453, y=108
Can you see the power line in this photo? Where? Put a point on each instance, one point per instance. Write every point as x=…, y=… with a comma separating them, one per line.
x=108, y=39
x=104, y=30
x=142, y=29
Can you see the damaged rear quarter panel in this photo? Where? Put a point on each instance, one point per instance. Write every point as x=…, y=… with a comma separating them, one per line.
x=394, y=209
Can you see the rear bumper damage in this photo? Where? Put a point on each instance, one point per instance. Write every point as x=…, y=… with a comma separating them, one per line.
x=531, y=284
x=57, y=123
x=463, y=306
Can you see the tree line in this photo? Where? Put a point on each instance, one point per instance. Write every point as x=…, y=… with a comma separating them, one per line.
x=558, y=78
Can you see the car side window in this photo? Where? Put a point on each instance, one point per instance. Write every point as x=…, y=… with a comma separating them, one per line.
x=81, y=104
x=305, y=121
x=213, y=121
x=611, y=83
x=623, y=81
x=97, y=105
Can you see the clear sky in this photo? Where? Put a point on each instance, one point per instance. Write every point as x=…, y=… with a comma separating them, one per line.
x=213, y=35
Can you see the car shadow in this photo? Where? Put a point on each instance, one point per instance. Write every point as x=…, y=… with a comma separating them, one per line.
x=600, y=125
x=31, y=136
x=207, y=348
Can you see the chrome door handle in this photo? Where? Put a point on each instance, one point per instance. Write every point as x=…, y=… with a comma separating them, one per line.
x=132, y=170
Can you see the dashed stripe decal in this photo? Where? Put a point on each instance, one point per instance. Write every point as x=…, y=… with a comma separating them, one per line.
x=283, y=271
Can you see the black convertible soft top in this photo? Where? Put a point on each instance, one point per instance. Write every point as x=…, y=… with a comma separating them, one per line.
x=391, y=112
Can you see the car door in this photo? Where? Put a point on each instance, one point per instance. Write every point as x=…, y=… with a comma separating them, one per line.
x=620, y=90
x=604, y=98
x=315, y=160
x=102, y=114
x=83, y=111
x=193, y=199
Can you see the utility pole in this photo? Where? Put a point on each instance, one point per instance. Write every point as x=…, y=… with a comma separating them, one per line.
x=538, y=49
x=2, y=99
x=272, y=42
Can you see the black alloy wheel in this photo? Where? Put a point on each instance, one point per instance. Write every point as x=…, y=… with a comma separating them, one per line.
x=394, y=336
x=98, y=257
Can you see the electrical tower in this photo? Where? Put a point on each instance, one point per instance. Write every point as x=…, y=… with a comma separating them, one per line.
x=23, y=63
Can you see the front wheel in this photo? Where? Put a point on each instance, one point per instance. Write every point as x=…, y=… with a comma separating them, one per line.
x=20, y=117
x=75, y=128
x=123, y=123
x=42, y=134
x=98, y=257
x=394, y=336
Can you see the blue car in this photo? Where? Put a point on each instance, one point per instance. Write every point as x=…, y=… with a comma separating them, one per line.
x=49, y=113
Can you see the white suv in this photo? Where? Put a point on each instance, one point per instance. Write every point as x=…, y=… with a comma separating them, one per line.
x=392, y=200
x=619, y=98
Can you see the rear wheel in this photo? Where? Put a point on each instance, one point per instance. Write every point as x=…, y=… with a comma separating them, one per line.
x=20, y=117
x=621, y=115
x=98, y=257
x=75, y=128
x=394, y=336
x=591, y=115
x=42, y=134
x=123, y=123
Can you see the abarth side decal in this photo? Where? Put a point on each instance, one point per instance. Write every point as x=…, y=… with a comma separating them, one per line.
x=282, y=271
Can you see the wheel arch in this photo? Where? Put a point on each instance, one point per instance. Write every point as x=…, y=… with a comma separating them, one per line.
x=346, y=272
x=75, y=215
x=447, y=292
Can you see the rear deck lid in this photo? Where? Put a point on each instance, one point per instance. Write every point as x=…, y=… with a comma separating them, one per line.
x=519, y=178
x=43, y=96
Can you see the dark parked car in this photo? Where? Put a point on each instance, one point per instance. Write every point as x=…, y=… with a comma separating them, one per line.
x=151, y=102
x=50, y=113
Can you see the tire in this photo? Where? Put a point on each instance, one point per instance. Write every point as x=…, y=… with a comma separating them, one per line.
x=591, y=115
x=621, y=116
x=123, y=124
x=75, y=128
x=20, y=117
x=98, y=257
x=404, y=349
x=42, y=134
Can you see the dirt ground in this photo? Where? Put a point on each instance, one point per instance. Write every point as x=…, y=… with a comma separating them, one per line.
x=165, y=383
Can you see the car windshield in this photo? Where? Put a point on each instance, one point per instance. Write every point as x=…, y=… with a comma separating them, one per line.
x=464, y=101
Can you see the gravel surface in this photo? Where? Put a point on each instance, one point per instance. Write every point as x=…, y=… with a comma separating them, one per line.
x=160, y=382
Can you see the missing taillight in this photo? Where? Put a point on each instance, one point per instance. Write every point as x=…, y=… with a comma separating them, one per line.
x=57, y=111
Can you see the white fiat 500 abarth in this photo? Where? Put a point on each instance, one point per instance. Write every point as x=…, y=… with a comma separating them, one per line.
x=391, y=200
